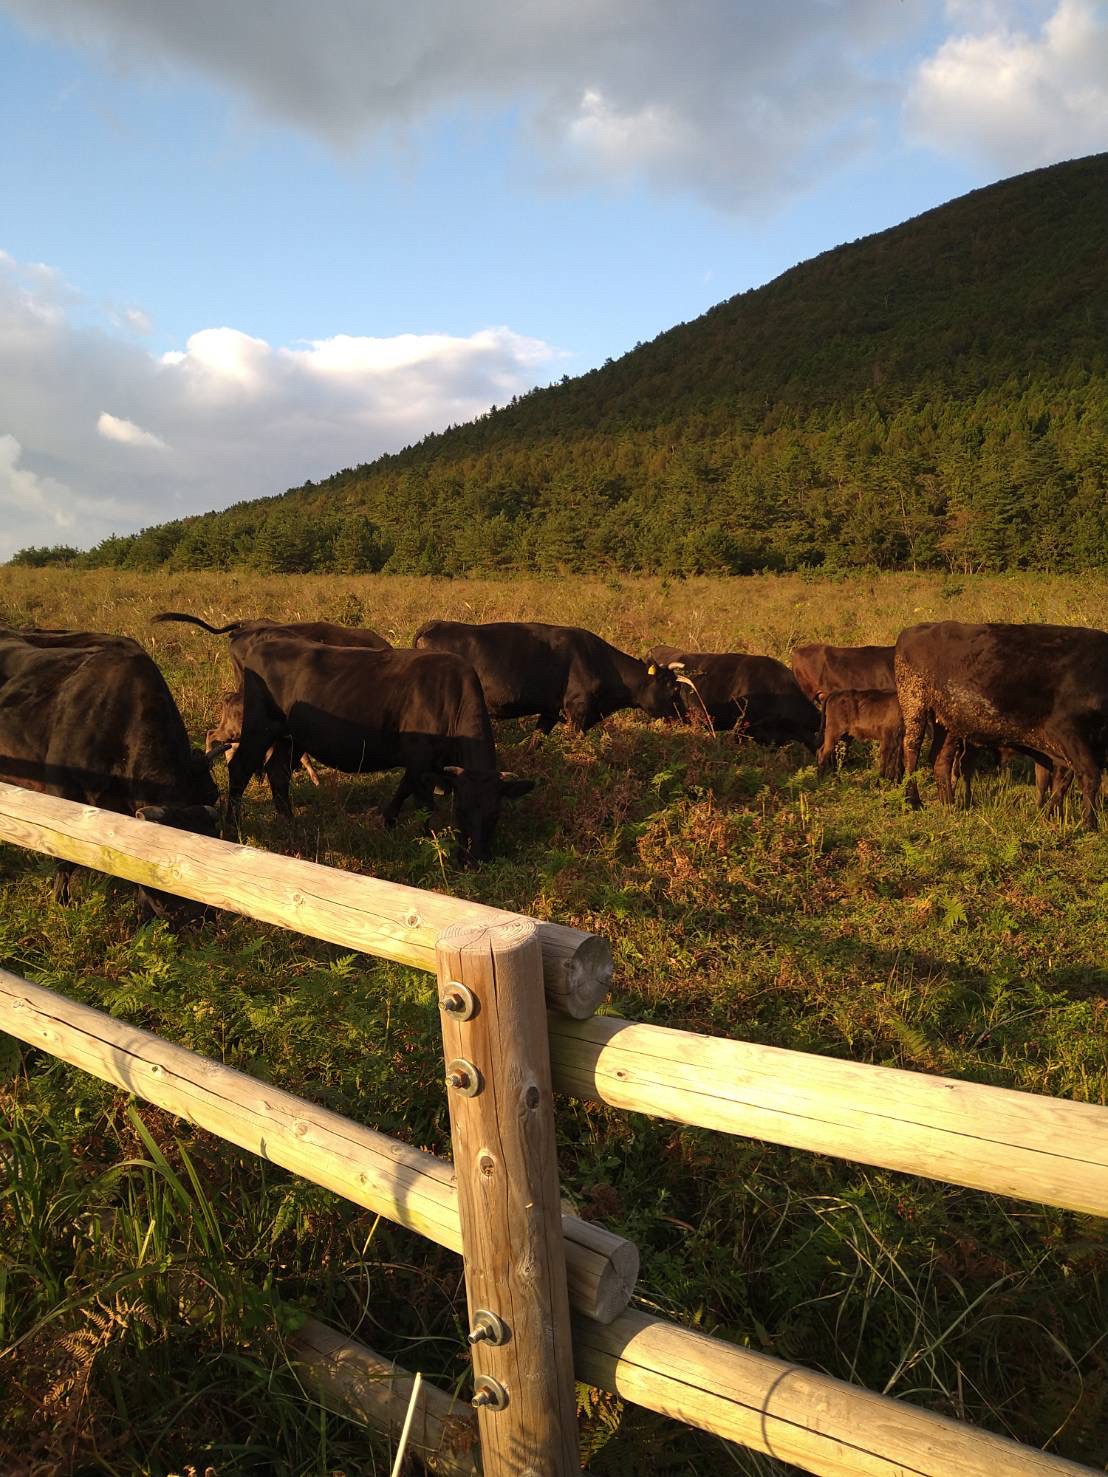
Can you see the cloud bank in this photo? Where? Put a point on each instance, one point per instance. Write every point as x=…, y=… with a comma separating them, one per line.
x=1013, y=96
x=97, y=435
x=733, y=100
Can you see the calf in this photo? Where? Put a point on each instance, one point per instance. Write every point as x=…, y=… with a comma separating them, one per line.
x=871, y=715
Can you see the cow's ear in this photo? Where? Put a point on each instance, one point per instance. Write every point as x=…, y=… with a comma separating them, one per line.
x=217, y=751
x=652, y=670
x=512, y=786
x=155, y=813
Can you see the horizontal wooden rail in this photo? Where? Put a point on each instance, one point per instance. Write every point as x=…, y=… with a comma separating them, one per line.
x=791, y=1413
x=815, y=1422
x=406, y=1185
x=354, y=1380
x=382, y=918
x=1036, y=1148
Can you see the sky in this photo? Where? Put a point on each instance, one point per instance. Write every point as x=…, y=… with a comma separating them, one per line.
x=246, y=244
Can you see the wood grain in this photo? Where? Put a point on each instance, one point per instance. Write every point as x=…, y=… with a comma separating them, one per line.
x=357, y=912
x=406, y=1185
x=505, y=1157
x=1044, y=1149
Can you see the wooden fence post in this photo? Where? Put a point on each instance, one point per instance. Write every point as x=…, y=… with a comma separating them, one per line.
x=502, y=1124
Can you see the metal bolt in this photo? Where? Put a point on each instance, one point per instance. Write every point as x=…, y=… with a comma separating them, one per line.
x=459, y=1001
x=487, y=1326
x=488, y=1392
x=463, y=1076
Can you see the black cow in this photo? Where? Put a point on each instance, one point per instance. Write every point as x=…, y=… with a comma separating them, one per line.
x=871, y=715
x=326, y=631
x=362, y=711
x=88, y=717
x=755, y=694
x=224, y=734
x=555, y=672
x=820, y=669
x=1040, y=690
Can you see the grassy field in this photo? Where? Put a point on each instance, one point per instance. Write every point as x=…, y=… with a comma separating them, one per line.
x=148, y=1273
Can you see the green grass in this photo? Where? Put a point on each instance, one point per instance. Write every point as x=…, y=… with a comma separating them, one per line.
x=148, y=1272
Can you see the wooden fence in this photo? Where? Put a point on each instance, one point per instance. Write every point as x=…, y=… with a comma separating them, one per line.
x=549, y=1294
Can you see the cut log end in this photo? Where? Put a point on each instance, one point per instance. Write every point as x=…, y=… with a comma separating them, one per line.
x=577, y=970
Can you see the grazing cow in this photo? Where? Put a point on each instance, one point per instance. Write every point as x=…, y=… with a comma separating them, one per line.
x=325, y=631
x=871, y=715
x=821, y=669
x=362, y=711
x=228, y=725
x=95, y=722
x=555, y=672
x=1040, y=690
x=755, y=694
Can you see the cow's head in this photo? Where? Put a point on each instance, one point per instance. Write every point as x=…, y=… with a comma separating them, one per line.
x=201, y=819
x=660, y=691
x=477, y=796
x=228, y=726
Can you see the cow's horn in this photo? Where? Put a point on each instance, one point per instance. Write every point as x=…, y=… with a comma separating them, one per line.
x=686, y=682
x=676, y=666
x=453, y=769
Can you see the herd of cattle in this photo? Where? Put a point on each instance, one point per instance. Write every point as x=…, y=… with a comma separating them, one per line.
x=89, y=717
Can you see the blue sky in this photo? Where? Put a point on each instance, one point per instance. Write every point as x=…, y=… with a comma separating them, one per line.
x=244, y=245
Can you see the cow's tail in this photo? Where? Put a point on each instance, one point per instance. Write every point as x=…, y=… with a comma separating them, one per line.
x=194, y=620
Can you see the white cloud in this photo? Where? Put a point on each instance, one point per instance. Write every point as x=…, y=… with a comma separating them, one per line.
x=237, y=417
x=730, y=99
x=1013, y=97
x=115, y=428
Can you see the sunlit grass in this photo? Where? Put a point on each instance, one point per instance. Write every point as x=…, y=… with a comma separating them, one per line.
x=147, y=1271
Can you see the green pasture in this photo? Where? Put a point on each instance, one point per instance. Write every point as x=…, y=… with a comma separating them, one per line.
x=149, y=1273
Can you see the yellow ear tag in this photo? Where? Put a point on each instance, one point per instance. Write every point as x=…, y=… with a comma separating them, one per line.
x=652, y=670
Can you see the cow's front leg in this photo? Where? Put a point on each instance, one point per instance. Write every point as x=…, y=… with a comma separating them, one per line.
x=413, y=782
x=915, y=722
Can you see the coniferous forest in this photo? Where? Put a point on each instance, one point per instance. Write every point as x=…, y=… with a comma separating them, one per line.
x=934, y=396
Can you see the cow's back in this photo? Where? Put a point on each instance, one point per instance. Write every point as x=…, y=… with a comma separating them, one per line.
x=820, y=668
x=361, y=708
x=96, y=724
x=523, y=667
x=997, y=683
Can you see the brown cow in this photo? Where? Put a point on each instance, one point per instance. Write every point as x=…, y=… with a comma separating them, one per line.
x=1040, y=690
x=821, y=669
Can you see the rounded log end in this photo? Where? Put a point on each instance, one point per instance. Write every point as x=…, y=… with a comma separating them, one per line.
x=577, y=970
x=617, y=1282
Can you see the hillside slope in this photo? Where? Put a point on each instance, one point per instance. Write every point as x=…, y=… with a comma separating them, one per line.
x=934, y=395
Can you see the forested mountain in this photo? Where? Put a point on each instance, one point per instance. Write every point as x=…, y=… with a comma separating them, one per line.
x=935, y=395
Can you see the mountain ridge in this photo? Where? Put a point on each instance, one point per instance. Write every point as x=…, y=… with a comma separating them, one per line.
x=935, y=394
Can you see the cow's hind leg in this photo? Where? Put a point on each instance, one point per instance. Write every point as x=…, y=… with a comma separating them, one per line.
x=1078, y=757
x=63, y=876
